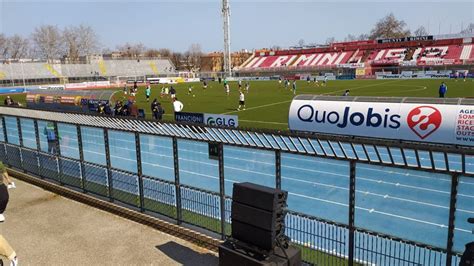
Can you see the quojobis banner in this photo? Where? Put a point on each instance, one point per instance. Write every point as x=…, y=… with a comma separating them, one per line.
x=437, y=123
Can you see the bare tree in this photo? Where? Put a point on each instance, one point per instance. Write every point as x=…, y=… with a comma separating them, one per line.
x=468, y=29
x=165, y=52
x=421, y=31
x=132, y=50
x=350, y=38
x=80, y=41
x=106, y=50
x=47, y=40
x=330, y=40
x=177, y=60
x=389, y=27
x=18, y=47
x=3, y=46
x=152, y=52
x=193, y=57
x=363, y=36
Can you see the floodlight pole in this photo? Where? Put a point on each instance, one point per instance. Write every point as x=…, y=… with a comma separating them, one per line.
x=227, y=58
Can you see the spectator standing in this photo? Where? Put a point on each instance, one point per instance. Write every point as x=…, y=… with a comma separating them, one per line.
x=7, y=251
x=5, y=184
x=133, y=109
x=101, y=108
x=118, y=108
x=8, y=101
x=442, y=90
x=157, y=110
x=50, y=133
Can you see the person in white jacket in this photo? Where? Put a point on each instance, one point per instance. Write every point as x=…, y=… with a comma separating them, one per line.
x=177, y=105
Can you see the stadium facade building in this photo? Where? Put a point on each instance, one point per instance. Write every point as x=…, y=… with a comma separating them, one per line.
x=214, y=62
x=365, y=59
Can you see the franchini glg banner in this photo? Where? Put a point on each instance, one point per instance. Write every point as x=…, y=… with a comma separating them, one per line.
x=207, y=119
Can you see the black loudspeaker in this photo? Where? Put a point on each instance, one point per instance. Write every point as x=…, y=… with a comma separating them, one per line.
x=255, y=236
x=262, y=219
x=258, y=215
x=260, y=197
x=232, y=255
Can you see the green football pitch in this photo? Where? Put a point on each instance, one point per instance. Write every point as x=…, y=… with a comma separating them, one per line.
x=267, y=102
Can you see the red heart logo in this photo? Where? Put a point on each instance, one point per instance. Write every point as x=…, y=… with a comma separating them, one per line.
x=424, y=120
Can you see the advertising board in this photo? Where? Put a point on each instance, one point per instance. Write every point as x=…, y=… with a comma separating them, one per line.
x=437, y=123
x=207, y=119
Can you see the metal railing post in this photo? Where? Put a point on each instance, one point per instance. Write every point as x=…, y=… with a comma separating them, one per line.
x=278, y=169
x=58, y=153
x=4, y=129
x=139, y=172
x=38, y=146
x=20, y=134
x=222, y=188
x=81, y=157
x=452, y=218
x=109, y=170
x=177, y=184
x=20, y=140
x=37, y=135
x=352, y=180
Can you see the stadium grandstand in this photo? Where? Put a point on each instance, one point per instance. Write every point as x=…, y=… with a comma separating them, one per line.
x=30, y=73
x=369, y=56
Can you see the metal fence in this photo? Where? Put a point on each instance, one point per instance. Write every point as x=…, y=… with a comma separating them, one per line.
x=171, y=170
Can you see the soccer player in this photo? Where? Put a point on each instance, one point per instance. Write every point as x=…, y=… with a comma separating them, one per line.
x=346, y=93
x=240, y=84
x=287, y=83
x=241, y=101
x=133, y=90
x=442, y=90
x=177, y=105
x=247, y=86
x=204, y=84
x=227, y=89
x=172, y=92
x=190, y=90
x=125, y=89
x=294, y=87
x=148, y=92
x=325, y=81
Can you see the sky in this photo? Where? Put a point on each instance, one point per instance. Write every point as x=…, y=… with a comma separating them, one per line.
x=254, y=24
